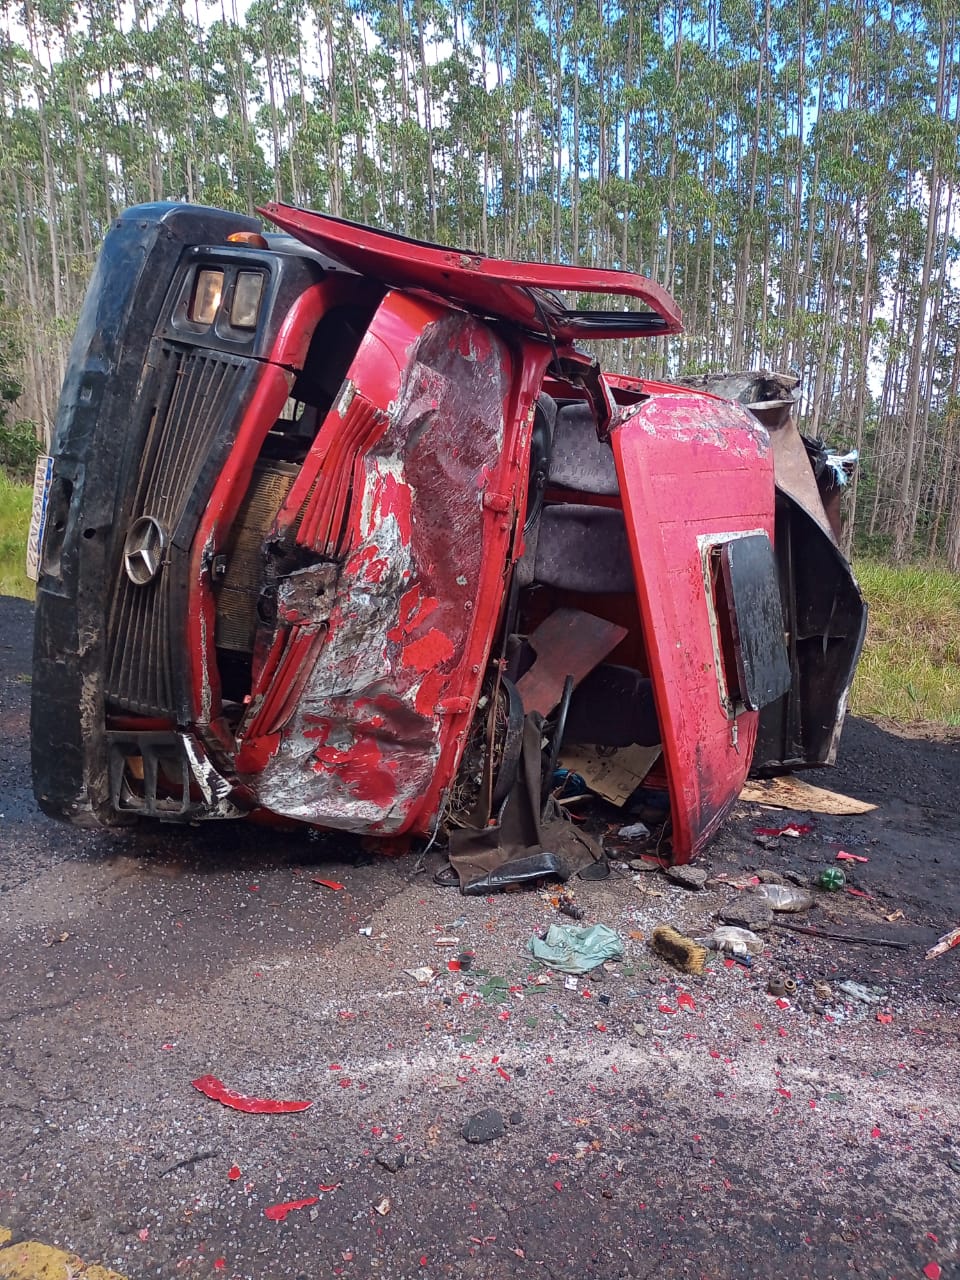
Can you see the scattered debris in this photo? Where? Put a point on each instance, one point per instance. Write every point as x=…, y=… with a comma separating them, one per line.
x=392, y=1160
x=485, y=1126
x=858, y=938
x=733, y=941
x=832, y=879
x=779, y=985
x=679, y=950
x=786, y=897
x=327, y=884
x=422, y=976
x=566, y=906
x=951, y=939
x=894, y=915
x=803, y=797
x=445, y=942
x=823, y=992
x=383, y=1206
x=857, y=991
x=635, y=831
x=576, y=951
x=277, y=1212
x=793, y=829
x=687, y=876
x=748, y=911
x=218, y=1091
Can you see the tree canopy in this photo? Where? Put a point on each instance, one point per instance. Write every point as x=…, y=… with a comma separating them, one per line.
x=788, y=168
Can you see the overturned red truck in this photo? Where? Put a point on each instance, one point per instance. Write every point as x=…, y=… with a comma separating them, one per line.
x=346, y=529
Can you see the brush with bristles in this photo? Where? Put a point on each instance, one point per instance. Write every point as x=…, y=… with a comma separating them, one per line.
x=682, y=952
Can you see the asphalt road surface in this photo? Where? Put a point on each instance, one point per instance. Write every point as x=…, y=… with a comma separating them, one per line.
x=652, y=1124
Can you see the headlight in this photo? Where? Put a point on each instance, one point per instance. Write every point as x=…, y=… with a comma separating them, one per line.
x=206, y=297
x=246, y=299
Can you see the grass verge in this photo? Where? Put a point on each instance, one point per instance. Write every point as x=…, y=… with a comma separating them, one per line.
x=910, y=669
x=15, y=503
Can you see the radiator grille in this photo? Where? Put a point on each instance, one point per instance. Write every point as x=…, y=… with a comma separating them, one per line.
x=194, y=394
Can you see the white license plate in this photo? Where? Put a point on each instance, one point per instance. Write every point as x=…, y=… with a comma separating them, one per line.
x=38, y=514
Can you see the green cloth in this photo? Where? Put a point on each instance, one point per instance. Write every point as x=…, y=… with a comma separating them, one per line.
x=571, y=950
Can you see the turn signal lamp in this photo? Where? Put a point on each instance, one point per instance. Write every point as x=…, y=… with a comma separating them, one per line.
x=253, y=238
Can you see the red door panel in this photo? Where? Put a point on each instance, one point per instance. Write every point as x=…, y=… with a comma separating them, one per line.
x=694, y=472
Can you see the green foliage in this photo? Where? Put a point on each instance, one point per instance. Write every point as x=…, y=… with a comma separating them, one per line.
x=910, y=669
x=18, y=449
x=15, y=504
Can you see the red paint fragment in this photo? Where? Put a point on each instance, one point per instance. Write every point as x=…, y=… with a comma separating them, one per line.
x=791, y=829
x=685, y=1000
x=665, y=1008
x=327, y=1186
x=218, y=1091
x=144, y=1233
x=558, y=1186
x=233, y=1173
x=885, y=1017
x=502, y=1073
x=429, y=652
x=785, y=1093
x=932, y=1271
x=277, y=1212
x=858, y=893
x=327, y=884
x=783, y=1004
x=728, y=963
x=219, y=1264
x=875, y=1131
x=843, y=856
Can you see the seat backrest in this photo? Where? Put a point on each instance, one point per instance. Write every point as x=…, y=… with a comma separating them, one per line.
x=578, y=459
x=583, y=548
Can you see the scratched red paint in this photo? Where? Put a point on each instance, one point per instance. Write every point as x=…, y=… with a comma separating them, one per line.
x=429, y=651
x=395, y=499
x=414, y=609
x=428, y=695
x=360, y=770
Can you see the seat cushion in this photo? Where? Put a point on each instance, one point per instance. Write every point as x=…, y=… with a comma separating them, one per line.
x=583, y=548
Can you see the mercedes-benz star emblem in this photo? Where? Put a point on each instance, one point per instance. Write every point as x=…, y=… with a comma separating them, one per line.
x=143, y=550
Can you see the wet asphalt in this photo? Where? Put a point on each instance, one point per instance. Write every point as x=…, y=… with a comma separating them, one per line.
x=721, y=1134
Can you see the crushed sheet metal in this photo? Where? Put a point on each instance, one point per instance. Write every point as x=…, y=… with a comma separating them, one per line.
x=33, y=1260
x=218, y=1091
x=371, y=718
